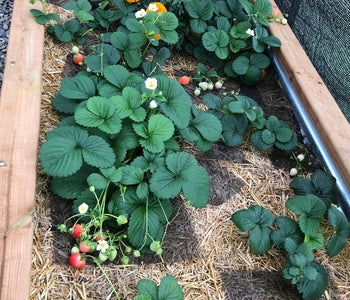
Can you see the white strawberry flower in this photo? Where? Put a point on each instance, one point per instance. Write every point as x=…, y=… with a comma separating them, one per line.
x=83, y=208
x=151, y=83
x=250, y=32
x=140, y=13
x=102, y=246
x=152, y=7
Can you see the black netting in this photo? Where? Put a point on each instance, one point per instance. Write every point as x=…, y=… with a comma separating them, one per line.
x=322, y=27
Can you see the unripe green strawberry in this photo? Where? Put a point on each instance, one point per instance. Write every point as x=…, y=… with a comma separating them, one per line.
x=121, y=220
x=197, y=92
x=112, y=253
x=75, y=49
x=62, y=228
x=210, y=86
x=155, y=245
x=102, y=256
x=75, y=249
x=125, y=260
x=203, y=85
x=128, y=249
x=136, y=253
x=159, y=251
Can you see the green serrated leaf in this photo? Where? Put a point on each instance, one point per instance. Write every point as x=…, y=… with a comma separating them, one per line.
x=148, y=288
x=259, y=239
x=78, y=87
x=169, y=289
x=181, y=173
x=315, y=241
x=158, y=130
x=132, y=175
x=288, y=229
x=177, y=106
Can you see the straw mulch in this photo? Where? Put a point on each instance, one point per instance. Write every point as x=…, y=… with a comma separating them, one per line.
x=207, y=254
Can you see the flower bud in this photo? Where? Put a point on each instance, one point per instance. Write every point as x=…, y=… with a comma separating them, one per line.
x=301, y=157
x=121, y=220
x=153, y=104
x=293, y=172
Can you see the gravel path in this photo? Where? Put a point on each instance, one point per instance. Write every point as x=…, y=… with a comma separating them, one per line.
x=5, y=21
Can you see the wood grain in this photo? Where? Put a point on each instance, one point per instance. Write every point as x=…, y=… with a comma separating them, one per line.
x=329, y=121
x=19, y=132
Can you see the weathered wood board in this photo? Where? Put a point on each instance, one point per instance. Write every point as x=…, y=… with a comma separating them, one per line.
x=19, y=132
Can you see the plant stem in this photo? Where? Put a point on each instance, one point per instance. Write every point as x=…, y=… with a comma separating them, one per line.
x=105, y=274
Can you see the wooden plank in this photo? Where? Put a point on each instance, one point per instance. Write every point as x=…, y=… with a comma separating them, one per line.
x=329, y=121
x=19, y=132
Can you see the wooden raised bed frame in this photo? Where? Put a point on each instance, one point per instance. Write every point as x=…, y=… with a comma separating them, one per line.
x=19, y=133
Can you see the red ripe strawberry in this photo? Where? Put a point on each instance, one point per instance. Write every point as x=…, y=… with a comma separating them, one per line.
x=184, y=80
x=77, y=230
x=76, y=260
x=263, y=74
x=78, y=59
x=84, y=247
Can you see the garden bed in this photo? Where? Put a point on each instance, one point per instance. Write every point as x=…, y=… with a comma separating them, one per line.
x=207, y=254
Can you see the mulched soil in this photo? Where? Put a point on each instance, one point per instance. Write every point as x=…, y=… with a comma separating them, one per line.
x=208, y=255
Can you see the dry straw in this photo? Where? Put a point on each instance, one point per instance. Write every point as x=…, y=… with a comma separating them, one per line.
x=207, y=254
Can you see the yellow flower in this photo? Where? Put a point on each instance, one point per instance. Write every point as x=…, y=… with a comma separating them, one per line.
x=156, y=7
x=132, y=1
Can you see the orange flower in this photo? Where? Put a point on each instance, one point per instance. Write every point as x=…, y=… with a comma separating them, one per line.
x=156, y=7
x=157, y=36
x=132, y=1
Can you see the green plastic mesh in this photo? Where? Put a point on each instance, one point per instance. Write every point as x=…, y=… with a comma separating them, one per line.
x=322, y=28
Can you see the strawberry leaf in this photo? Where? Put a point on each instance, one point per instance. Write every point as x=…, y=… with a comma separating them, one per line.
x=342, y=227
x=321, y=184
x=178, y=104
x=233, y=127
x=153, y=135
x=79, y=87
x=260, y=239
x=315, y=241
x=132, y=175
x=312, y=289
x=129, y=105
x=147, y=288
x=255, y=218
x=71, y=186
x=288, y=229
x=68, y=147
x=181, y=173
x=99, y=112
x=143, y=224
x=169, y=289
x=311, y=210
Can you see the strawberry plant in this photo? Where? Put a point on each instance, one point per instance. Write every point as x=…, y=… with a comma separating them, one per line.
x=300, y=238
x=237, y=37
